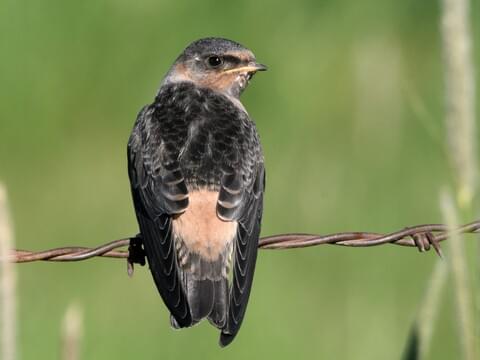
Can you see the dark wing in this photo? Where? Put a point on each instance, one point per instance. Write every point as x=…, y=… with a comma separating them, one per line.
x=159, y=191
x=244, y=205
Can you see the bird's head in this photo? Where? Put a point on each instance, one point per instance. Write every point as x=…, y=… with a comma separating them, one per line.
x=219, y=64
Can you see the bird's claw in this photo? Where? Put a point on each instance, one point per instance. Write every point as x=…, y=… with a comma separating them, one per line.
x=136, y=254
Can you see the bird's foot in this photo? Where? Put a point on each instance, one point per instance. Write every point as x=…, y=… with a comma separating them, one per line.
x=136, y=254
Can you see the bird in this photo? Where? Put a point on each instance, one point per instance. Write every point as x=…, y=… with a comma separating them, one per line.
x=197, y=177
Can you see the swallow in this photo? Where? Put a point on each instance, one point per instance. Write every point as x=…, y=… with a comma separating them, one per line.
x=197, y=178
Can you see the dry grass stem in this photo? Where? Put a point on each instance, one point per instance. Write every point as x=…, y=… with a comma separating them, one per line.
x=460, y=112
x=460, y=96
x=72, y=330
x=7, y=283
x=428, y=312
x=459, y=272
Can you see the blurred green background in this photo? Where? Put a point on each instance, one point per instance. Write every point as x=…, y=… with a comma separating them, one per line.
x=350, y=116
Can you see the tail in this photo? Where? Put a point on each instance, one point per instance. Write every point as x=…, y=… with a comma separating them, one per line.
x=206, y=287
x=208, y=299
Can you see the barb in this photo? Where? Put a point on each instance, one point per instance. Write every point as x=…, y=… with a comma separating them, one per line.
x=422, y=237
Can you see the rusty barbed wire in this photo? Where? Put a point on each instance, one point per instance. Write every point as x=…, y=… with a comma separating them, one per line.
x=421, y=236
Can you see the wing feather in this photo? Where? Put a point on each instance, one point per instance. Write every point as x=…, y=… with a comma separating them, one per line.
x=159, y=191
x=248, y=213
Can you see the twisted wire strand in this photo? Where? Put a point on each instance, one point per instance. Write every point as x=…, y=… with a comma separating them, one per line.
x=421, y=236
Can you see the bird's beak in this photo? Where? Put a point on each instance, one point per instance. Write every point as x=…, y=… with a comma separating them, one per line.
x=259, y=67
x=252, y=66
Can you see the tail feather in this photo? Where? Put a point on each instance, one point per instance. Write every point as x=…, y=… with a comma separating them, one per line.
x=207, y=299
x=218, y=315
x=206, y=287
x=201, y=297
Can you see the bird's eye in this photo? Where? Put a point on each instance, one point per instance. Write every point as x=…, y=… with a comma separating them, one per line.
x=215, y=61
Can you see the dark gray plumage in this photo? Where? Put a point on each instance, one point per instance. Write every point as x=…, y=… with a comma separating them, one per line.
x=197, y=178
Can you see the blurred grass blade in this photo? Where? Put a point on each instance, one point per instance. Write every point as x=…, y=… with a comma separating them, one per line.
x=72, y=330
x=459, y=97
x=420, y=337
x=7, y=283
x=461, y=135
x=461, y=286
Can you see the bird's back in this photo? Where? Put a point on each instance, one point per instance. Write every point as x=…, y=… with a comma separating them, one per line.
x=207, y=132
x=202, y=139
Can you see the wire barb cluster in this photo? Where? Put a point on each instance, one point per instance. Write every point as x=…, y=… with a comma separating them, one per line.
x=421, y=236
